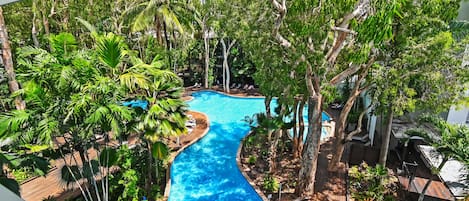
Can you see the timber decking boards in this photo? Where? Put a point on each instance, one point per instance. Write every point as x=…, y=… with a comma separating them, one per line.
x=436, y=189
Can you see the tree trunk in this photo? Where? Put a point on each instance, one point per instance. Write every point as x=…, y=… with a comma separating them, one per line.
x=207, y=54
x=66, y=16
x=168, y=45
x=149, y=180
x=301, y=128
x=340, y=131
x=429, y=181
x=383, y=154
x=8, y=63
x=295, y=128
x=309, y=160
x=33, y=28
x=267, y=101
x=273, y=151
x=225, y=63
x=45, y=20
x=226, y=69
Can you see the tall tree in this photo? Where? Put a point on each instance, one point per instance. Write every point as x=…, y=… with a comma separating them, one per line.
x=8, y=63
x=311, y=48
x=422, y=67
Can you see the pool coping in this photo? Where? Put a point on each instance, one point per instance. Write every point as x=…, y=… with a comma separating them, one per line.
x=245, y=175
x=220, y=92
x=167, y=188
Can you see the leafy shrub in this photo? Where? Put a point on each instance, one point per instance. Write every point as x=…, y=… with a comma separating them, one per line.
x=270, y=183
x=372, y=183
x=23, y=174
x=252, y=159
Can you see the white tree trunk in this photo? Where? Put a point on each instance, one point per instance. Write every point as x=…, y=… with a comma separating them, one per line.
x=383, y=154
x=207, y=53
x=225, y=63
x=226, y=67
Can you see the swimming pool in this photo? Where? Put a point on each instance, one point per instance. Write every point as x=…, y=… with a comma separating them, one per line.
x=207, y=169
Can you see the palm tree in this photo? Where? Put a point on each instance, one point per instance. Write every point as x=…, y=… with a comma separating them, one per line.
x=162, y=90
x=165, y=16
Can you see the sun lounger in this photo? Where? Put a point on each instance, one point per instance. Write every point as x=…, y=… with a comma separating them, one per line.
x=336, y=106
x=190, y=124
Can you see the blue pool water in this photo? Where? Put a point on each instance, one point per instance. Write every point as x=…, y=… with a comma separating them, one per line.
x=136, y=103
x=207, y=169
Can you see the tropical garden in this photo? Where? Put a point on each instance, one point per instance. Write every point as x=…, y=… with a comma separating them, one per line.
x=68, y=67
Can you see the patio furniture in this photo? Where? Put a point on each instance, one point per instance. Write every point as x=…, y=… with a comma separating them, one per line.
x=453, y=173
x=436, y=189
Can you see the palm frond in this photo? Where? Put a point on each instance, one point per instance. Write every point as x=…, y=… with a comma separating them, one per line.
x=63, y=43
x=460, y=29
x=110, y=49
x=89, y=26
x=171, y=19
x=12, y=122
x=98, y=115
x=144, y=18
x=133, y=81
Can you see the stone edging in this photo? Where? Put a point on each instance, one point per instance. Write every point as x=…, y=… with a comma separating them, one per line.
x=246, y=176
x=174, y=155
x=231, y=95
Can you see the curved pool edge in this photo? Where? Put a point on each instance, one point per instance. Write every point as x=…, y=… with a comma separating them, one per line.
x=223, y=93
x=245, y=175
x=167, y=188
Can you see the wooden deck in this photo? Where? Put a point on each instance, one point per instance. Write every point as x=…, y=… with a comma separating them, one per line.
x=436, y=189
x=52, y=184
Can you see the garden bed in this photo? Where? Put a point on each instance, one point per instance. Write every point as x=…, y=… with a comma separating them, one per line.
x=253, y=158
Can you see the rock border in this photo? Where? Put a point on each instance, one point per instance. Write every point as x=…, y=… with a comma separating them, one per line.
x=175, y=154
x=245, y=175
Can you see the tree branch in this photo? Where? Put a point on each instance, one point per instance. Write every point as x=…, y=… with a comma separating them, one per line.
x=350, y=71
x=359, y=126
x=344, y=74
x=342, y=29
x=339, y=40
x=282, y=11
x=309, y=77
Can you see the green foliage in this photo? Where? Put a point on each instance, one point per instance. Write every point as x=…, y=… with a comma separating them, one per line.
x=110, y=49
x=252, y=159
x=454, y=140
x=129, y=181
x=108, y=157
x=159, y=150
x=63, y=44
x=23, y=174
x=424, y=66
x=372, y=183
x=270, y=184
